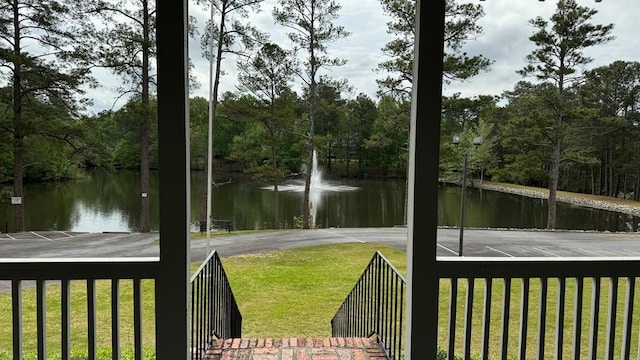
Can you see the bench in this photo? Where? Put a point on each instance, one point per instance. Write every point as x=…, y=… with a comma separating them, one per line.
x=216, y=224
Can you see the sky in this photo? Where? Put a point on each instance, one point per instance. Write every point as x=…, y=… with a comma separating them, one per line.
x=505, y=41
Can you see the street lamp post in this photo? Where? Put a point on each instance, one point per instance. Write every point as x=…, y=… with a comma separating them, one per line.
x=477, y=141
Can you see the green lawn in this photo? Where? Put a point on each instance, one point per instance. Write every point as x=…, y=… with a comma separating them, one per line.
x=284, y=293
x=296, y=292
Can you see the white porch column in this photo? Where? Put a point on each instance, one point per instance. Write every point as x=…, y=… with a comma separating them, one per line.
x=172, y=286
x=422, y=219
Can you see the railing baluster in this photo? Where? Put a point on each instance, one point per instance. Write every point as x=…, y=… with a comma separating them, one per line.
x=41, y=294
x=202, y=333
x=395, y=315
x=595, y=314
x=65, y=324
x=209, y=272
x=453, y=304
x=16, y=311
x=468, y=317
x=628, y=318
x=577, y=319
x=486, y=321
x=524, y=319
x=371, y=301
x=542, y=317
x=387, y=306
x=115, y=319
x=91, y=318
x=506, y=309
x=137, y=318
x=611, y=323
x=401, y=318
x=194, y=344
x=560, y=317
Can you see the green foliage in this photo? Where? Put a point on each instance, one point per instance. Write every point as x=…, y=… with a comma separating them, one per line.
x=47, y=161
x=443, y=355
x=387, y=144
x=460, y=27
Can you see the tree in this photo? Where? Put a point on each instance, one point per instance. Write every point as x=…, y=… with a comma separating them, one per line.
x=556, y=59
x=463, y=117
x=268, y=77
x=360, y=116
x=126, y=45
x=460, y=27
x=312, y=28
x=44, y=61
x=612, y=92
x=388, y=140
x=228, y=37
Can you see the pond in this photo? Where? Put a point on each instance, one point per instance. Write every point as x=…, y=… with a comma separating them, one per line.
x=108, y=201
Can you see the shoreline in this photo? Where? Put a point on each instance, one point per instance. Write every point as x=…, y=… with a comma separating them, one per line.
x=633, y=210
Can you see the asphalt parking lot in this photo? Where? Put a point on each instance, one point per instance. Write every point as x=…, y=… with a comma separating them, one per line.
x=476, y=242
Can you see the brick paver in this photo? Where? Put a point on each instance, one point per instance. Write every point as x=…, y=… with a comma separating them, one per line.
x=297, y=349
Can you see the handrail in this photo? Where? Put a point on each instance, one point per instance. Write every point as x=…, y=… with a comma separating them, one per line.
x=214, y=311
x=375, y=306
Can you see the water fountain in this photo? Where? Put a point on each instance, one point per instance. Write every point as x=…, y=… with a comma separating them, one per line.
x=317, y=186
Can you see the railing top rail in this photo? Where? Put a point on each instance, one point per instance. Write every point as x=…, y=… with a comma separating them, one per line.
x=79, y=268
x=79, y=260
x=202, y=265
x=534, y=267
x=477, y=259
x=378, y=253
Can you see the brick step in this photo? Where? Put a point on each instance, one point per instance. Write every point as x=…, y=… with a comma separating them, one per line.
x=335, y=348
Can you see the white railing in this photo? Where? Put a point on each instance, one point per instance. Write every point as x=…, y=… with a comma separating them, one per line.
x=42, y=273
x=538, y=308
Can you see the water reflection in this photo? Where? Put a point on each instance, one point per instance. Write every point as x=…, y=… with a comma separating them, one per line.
x=110, y=202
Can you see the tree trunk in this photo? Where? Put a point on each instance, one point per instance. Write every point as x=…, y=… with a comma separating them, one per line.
x=212, y=111
x=611, y=174
x=18, y=138
x=144, y=133
x=276, y=196
x=553, y=186
x=636, y=190
x=18, y=174
x=306, y=213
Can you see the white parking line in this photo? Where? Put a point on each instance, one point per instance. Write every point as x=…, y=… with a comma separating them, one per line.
x=10, y=237
x=498, y=251
x=631, y=251
x=545, y=252
x=449, y=250
x=350, y=238
x=619, y=252
x=68, y=235
x=40, y=236
x=590, y=252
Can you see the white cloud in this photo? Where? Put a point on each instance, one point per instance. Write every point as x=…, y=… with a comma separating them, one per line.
x=505, y=41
